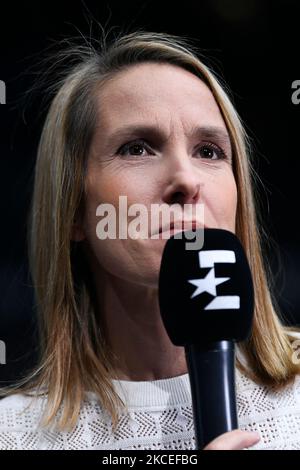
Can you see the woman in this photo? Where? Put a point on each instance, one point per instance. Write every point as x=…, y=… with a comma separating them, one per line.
x=144, y=118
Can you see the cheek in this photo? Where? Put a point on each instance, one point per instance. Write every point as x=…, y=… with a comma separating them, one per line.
x=222, y=202
x=229, y=202
x=107, y=189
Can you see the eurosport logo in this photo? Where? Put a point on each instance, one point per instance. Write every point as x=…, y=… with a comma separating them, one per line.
x=160, y=221
x=208, y=259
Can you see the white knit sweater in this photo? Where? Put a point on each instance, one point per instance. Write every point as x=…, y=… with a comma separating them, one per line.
x=160, y=417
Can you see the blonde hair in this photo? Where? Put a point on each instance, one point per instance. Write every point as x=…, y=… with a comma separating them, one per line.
x=75, y=355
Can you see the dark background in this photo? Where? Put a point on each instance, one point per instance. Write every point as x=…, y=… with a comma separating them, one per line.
x=253, y=44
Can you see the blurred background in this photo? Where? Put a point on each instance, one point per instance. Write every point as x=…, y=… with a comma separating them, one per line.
x=251, y=44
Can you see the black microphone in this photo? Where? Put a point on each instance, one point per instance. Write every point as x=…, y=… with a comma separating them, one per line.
x=206, y=301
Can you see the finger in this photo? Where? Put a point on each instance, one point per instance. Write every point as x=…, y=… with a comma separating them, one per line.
x=233, y=440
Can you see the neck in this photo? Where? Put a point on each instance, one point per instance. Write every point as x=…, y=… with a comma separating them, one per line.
x=135, y=331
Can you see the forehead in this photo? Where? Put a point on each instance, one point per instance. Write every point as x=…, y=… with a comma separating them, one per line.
x=153, y=92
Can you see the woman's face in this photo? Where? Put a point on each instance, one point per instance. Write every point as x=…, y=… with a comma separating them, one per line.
x=181, y=154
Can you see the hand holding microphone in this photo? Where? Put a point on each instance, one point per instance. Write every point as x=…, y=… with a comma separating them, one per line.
x=234, y=440
x=206, y=300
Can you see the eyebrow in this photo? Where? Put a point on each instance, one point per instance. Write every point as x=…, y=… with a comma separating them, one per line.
x=151, y=131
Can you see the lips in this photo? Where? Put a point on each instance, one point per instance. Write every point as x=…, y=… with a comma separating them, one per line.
x=182, y=225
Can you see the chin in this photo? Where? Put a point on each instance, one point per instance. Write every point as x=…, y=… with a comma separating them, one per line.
x=150, y=276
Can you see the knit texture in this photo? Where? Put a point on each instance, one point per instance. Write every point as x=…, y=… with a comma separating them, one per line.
x=159, y=417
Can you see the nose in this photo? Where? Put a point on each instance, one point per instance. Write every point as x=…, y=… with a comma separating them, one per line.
x=183, y=181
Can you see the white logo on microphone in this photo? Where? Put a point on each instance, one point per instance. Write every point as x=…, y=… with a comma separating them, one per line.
x=207, y=259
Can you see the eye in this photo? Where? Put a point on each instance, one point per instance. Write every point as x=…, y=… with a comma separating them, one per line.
x=211, y=152
x=135, y=148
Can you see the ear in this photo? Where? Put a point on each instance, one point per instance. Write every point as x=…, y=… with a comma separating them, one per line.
x=77, y=233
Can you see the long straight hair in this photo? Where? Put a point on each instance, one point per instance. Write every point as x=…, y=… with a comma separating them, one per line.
x=75, y=355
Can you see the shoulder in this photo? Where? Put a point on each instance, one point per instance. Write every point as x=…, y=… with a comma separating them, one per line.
x=21, y=404
x=293, y=332
x=19, y=420
x=21, y=427
x=273, y=413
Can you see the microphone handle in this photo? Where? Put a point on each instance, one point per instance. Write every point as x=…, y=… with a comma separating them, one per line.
x=211, y=370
